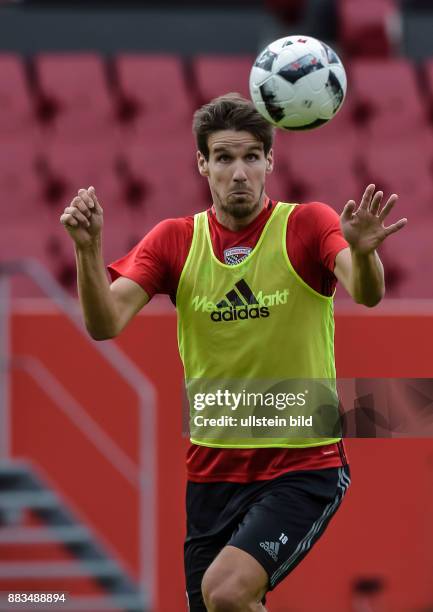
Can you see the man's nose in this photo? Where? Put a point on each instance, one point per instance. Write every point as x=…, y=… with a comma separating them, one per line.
x=239, y=174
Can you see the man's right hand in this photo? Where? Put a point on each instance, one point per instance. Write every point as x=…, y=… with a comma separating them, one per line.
x=107, y=309
x=83, y=218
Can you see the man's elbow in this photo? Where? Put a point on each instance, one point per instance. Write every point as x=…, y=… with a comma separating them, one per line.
x=98, y=334
x=371, y=300
x=101, y=337
x=370, y=303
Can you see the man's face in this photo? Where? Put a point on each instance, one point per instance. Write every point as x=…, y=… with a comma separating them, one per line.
x=236, y=170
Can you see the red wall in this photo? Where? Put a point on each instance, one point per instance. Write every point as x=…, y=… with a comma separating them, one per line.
x=383, y=527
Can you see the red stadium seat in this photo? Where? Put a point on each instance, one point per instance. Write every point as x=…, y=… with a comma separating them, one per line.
x=277, y=186
x=25, y=241
x=17, y=118
x=168, y=184
x=29, y=228
x=370, y=28
x=36, y=188
x=324, y=173
x=218, y=74
x=289, y=10
x=406, y=171
x=386, y=93
x=19, y=184
x=156, y=109
x=69, y=167
x=31, y=219
x=428, y=75
x=117, y=242
x=74, y=85
x=409, y=253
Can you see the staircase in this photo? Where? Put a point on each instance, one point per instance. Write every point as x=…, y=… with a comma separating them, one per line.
x=22, y=490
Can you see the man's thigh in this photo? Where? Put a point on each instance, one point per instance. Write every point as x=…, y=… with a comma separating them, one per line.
x=201, y=556
x=213, y=512
x=281, y=528
x=198, y=556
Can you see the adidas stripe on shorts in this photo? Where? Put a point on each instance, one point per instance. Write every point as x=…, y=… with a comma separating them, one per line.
x=276, y=521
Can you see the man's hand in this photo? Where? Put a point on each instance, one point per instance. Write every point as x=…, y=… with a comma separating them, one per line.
x=363, y=227
x=83, y=218
x=359, y=268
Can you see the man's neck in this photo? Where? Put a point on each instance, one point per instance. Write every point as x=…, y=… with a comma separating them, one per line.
x=235, y=224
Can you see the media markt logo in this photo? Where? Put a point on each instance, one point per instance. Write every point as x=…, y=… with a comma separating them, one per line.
x=240, y=303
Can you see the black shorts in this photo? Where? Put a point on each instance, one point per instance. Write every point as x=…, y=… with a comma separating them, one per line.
x=276, y=521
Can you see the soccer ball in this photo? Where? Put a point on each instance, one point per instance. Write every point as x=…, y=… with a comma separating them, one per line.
x=298, y=83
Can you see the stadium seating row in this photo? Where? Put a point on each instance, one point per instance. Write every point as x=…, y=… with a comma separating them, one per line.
x=147, y=185
x=76, y=97
x=371, y=28
x=142, y=185
x=142, y=162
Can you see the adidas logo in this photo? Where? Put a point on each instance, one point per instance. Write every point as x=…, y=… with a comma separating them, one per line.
x=271, y=548
x=240, y=303
x=235, y=298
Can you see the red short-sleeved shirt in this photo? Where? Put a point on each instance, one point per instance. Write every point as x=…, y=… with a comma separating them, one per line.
x=313, y=240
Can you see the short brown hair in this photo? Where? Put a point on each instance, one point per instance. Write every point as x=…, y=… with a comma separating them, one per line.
x=230, y=112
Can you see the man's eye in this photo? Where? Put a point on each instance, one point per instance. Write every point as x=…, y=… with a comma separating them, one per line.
x=252, y=156
x=223, y=158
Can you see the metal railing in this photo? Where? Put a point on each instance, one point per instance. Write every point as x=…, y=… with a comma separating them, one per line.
x=142, y=477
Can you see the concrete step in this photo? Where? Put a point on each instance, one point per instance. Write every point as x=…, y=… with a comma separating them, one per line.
x=43, y=535
x=13, y=469
x=46, y=570
x=116, y=602
x=16, y=500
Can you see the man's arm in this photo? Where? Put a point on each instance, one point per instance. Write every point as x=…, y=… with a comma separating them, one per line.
x=361, y=276
x=358, y=267
x=107, y=309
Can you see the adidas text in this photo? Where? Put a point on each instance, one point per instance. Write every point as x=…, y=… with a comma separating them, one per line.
x=235, y=314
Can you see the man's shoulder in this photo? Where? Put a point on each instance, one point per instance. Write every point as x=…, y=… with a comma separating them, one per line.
x=169, y=230
x=175, y=225
x=314, y=219
x=315, y=211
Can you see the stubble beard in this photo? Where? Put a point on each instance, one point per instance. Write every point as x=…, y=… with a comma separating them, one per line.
x=239, y=207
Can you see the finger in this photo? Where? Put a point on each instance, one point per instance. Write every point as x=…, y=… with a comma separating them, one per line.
x=67, y=219
x=85, y=196
x=375, y=203
x=388, y=206
x=348, y=210
x=93, y=195
x=78, y=215
x=395, y=227
x=366, y=198
x=77, y=202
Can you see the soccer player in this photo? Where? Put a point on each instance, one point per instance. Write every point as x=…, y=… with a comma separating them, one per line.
x=253, y=512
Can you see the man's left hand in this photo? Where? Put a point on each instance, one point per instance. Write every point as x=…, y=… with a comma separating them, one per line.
x=363, y=227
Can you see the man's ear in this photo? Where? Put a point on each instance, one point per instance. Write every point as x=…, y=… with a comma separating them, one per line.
x=270, y=161
x=202, y=164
